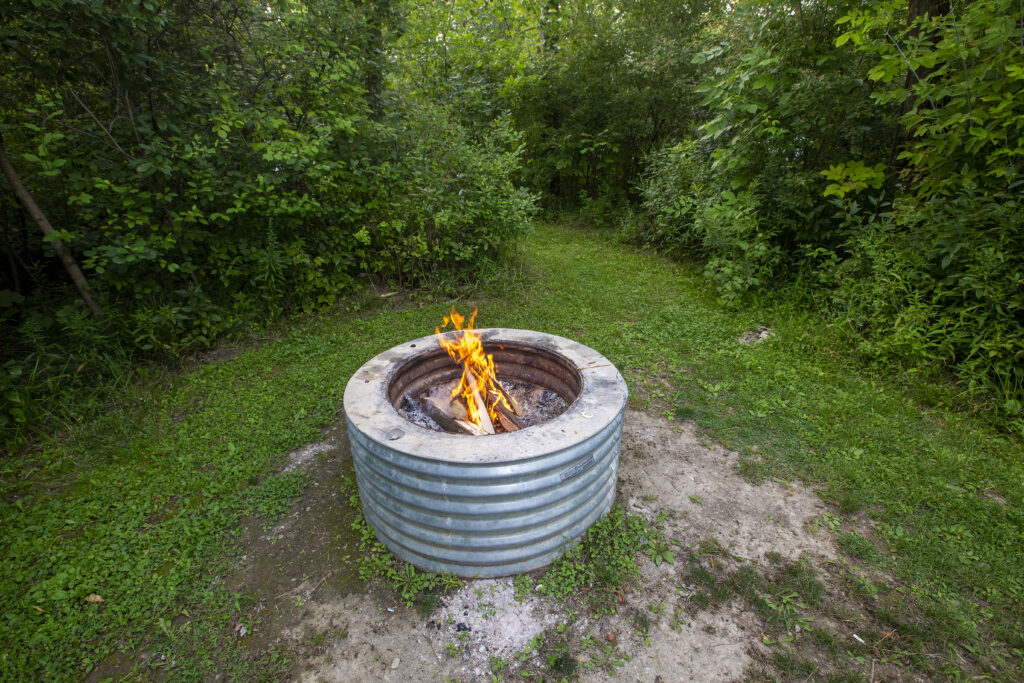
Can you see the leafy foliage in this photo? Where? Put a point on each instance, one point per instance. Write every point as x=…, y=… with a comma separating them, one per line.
x=269, y=189
x=872, y=161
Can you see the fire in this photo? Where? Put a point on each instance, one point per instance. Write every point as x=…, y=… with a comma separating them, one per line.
x=478, y=387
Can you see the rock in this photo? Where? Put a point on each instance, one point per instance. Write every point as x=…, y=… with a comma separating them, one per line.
x=394, y=664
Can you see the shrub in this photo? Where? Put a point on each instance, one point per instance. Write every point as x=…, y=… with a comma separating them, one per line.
x=447, y=204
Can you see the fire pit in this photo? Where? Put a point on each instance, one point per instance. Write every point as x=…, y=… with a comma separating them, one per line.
x=488, y=505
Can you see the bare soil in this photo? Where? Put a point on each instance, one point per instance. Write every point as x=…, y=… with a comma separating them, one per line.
x=311, y=603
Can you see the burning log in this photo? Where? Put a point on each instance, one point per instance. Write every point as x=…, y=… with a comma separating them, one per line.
x=516, y=408
x=485, y=418
x=471, y=428
x=509, y=420
x=506, y=423
x=457, y=410
x=436, y=413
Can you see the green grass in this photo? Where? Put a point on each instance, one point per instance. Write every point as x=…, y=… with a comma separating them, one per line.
x=136, y=506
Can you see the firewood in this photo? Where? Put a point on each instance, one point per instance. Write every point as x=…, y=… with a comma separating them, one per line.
x=485, y=418
x=516, y=408
x=507, y=415
x=471, y=428
x=507, y=422
x=435, y=413
x=457, y=410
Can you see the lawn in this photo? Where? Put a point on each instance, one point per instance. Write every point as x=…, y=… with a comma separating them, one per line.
x=116, y=525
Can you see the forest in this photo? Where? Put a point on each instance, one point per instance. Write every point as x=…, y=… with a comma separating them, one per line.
x=187, y=172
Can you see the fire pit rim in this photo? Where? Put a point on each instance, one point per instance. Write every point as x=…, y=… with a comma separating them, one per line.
x=601, y=398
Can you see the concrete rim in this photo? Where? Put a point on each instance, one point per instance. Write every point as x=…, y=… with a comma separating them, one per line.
x=601, y=399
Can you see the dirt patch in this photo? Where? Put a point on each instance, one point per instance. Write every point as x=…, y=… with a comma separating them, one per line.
x=668, y=466
x=668, y=472
x=306, y=558
x=757, y=336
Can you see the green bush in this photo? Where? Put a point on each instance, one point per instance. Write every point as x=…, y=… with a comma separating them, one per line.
x=940, y=283
x=674, y=188
x=447, y=205
x=911, y=130
x=687, y=216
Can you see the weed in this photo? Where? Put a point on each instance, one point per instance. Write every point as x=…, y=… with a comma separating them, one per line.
x=678, y=621
x=605, y=656
x=800, y=578
x=605, y=559
x=561, y=662
x=378, y=564
x=850, y=502
x=785, y=608
x=830, y=522
x=659, y=551
x=427, y=603
x=522, y=587
x=642, y=623
x=793, y=667
x=710, y=546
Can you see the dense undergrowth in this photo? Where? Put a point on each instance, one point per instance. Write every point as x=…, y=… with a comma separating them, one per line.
x=894, y=207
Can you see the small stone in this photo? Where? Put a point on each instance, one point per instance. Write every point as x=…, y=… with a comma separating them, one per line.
x=462, y=628
x=394, y=664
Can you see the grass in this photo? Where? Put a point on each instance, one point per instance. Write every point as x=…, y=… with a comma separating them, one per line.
x=140, y=506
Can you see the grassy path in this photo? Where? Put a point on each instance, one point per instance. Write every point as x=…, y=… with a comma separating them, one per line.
x=138, y=507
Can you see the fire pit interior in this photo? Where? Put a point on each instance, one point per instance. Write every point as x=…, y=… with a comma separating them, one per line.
x=455, y=499
x=541, y=383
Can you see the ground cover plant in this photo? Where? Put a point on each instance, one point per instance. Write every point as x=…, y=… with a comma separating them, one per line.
x=136, y=507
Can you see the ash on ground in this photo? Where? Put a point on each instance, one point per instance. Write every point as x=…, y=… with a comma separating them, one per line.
x=485, y=619
x=538, y=404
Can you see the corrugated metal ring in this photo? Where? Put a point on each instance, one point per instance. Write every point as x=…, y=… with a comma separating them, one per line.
x=486, y=505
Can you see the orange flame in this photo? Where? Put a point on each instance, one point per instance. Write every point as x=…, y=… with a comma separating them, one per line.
x=478, y=386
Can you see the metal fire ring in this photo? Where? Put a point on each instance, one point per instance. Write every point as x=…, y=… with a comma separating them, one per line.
x=486, y=505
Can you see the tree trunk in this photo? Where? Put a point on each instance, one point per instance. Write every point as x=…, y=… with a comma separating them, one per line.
x=915, y=10
x=549, y=28
x=377, y=14
x=25, y=197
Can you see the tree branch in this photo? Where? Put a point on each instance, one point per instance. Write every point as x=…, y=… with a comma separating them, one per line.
x=98, y=123
x=25, y=197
